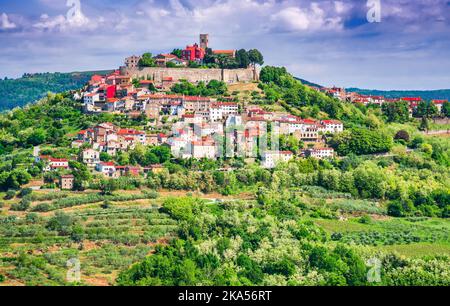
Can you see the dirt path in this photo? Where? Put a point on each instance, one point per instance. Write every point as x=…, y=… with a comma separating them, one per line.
x=445, y=133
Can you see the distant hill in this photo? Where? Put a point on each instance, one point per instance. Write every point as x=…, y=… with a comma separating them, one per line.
x=32, y=87
x=305, y=82
x=424, y=94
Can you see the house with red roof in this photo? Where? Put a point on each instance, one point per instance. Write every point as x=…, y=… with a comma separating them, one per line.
x=194, y=104
x=320, y=153
x=412, y=99
x=439, y=104
x=97, y=79
x=52, y=164
x=108, y=169
x=332, y=126
x=259, y=113
x=132, y=137
x=91, y=98
x=192, y=119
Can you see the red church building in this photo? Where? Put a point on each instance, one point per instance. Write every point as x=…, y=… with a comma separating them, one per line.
x=193, y=53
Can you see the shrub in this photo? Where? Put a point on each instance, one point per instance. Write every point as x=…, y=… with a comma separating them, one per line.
x=61, y=223
x=395, y=209
x=10, y=194
x=106, y=205
x=417, y=142
x=39, y=197
x=365, y=219
x=23, y=205
x=44, y=207
x=153, y=194
x=402, y=135
x=32, y=218
x=25, y=192
x=182, y=208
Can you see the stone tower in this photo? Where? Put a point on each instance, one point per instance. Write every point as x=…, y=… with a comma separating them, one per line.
x=204, y=41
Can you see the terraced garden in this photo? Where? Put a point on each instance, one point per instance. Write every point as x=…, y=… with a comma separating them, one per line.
x=106, y=236
x=408, y=237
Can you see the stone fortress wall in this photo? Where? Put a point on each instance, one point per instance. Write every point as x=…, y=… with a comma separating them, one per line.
x=229, y=76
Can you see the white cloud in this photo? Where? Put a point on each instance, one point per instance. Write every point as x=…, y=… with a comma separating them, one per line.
x=227, y=17
x=292, y=19
x=5, y=23
x=342, y=7
x=296, y=19
x=60, y=22
x=50, y=23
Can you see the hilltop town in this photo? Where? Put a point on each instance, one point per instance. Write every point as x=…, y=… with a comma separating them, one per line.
x=211, y=125
x=201, y=127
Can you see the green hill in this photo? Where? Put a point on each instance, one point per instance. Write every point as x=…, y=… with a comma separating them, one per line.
x=32, y=87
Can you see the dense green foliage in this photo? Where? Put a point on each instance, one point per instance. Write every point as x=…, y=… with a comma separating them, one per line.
x=237, y=244
x=396, y=112
x=426, y=109
x=147, y=60
x=177, y=52
x=362, y=141
x=242, y=59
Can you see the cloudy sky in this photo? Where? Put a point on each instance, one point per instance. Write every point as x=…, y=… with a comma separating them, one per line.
x=325, y=41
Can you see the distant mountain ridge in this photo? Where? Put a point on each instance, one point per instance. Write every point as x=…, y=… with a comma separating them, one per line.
x=32, y=87
x=424, y=94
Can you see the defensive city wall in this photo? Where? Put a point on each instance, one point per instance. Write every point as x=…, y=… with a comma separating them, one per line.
x=193, y=75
